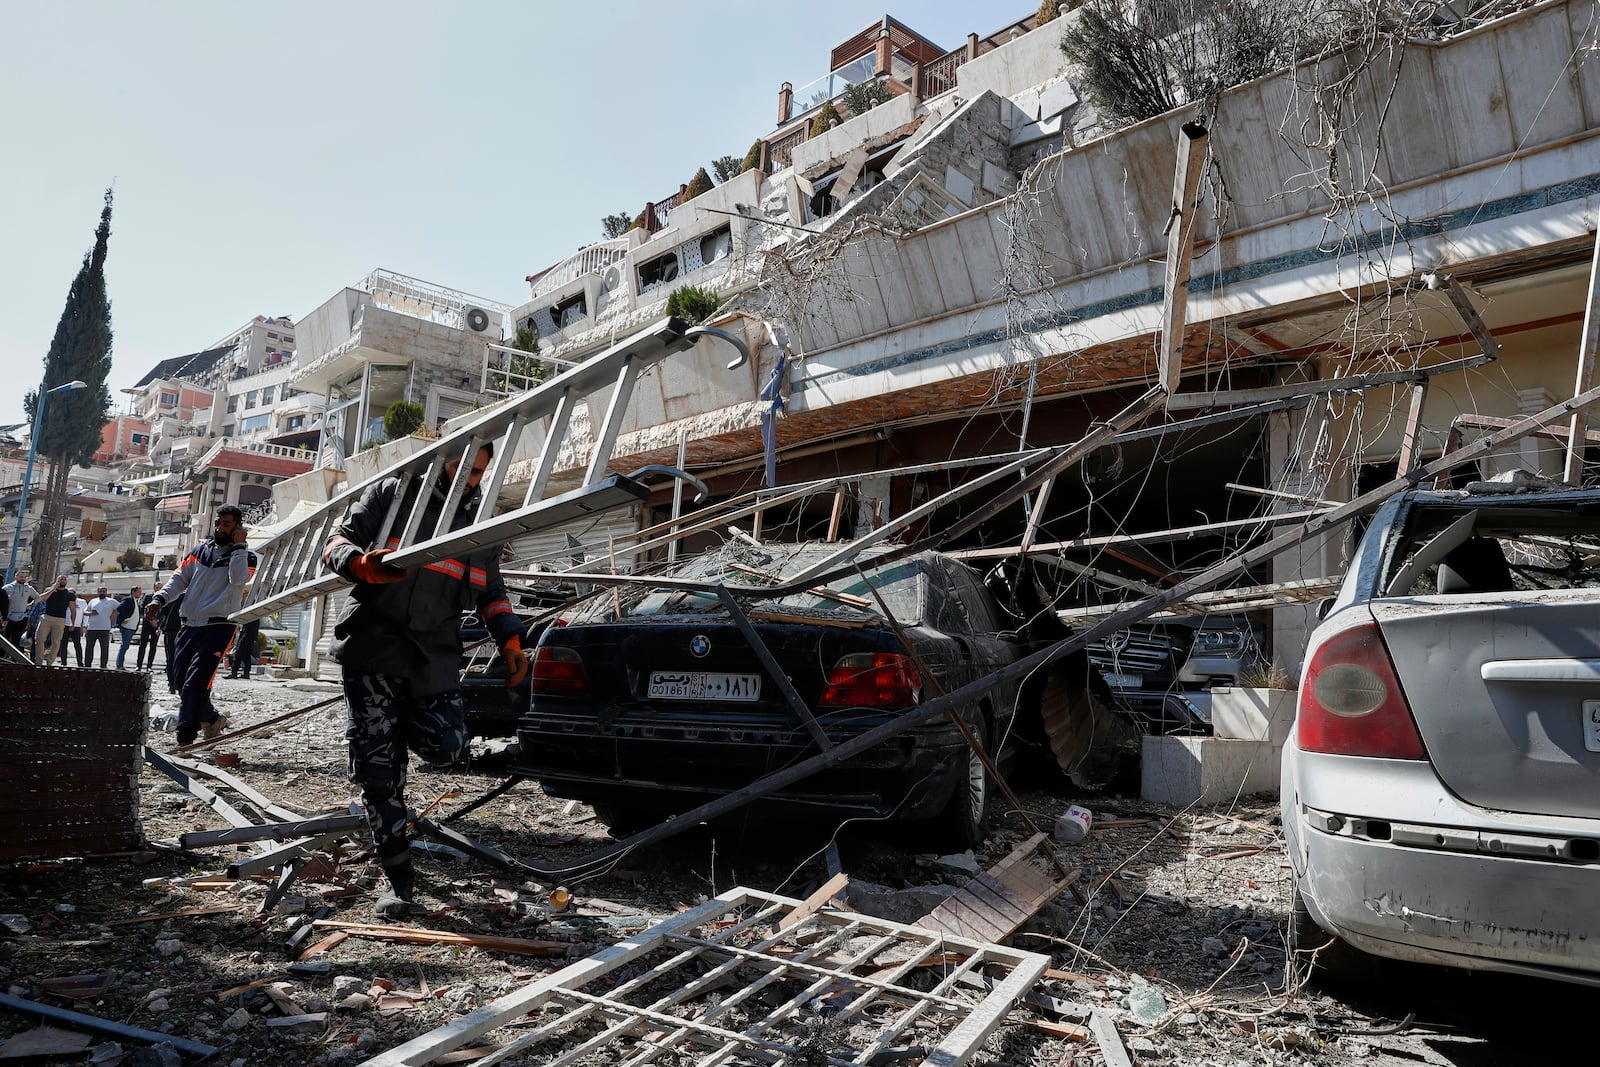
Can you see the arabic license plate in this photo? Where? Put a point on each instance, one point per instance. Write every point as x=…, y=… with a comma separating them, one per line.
x=1591, y=725
x=703, y=685
x=1124, y=681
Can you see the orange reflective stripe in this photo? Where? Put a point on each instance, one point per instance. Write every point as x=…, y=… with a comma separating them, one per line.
x=497, y=607
x=480, y=577
x=448, y=566
x=393, y=542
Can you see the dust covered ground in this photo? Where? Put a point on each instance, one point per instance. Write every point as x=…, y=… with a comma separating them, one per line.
x=1175, y=932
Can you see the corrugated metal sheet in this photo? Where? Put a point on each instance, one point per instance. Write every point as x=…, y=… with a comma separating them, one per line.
x=70, y=753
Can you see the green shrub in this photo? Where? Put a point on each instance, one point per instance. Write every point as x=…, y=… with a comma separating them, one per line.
x=826, y=120
x=726, y=168
x=1049, y=11
x=700, y=183
x=864, y=96
x=133, y=560
x=614, y=225
x=692, y=304
x=403, y=418
x=752, y=158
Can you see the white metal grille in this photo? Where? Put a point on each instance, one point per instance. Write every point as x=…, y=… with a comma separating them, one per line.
x=724, y=984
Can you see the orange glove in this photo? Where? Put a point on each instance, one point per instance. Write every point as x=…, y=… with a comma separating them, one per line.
x=516, y=661
x=370, y=567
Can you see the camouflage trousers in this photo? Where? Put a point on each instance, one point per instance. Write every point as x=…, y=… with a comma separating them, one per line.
x=386, y=720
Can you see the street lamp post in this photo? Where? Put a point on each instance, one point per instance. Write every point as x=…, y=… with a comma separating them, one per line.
x=27, y=479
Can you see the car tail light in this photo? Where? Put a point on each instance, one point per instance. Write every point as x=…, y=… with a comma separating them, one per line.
x=559, y=672
x=1351, y=703
x=872, y=680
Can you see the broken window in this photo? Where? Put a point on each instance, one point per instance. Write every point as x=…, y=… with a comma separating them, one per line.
x=568, y=311
x=658, y=271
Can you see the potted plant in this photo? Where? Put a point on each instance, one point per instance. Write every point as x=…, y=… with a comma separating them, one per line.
x=1260, y=708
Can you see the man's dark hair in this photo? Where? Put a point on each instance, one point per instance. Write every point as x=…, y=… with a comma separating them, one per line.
x=490, y=446
x=230, y=509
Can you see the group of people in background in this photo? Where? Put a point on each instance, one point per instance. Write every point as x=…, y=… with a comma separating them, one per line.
x=47, y=625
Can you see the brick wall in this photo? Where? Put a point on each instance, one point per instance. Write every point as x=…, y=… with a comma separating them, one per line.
x=70, y=752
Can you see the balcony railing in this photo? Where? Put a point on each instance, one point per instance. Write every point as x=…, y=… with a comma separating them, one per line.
x=781, y=149
x=939, y=76
x=592, y=260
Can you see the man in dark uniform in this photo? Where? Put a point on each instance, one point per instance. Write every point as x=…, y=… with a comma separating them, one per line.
x=398, y=643
x=149, y=633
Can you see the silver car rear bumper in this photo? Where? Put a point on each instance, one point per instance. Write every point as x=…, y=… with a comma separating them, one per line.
x=1438, y=881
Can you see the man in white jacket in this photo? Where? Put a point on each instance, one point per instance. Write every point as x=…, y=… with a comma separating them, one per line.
x=212, y=579
x=97, y=628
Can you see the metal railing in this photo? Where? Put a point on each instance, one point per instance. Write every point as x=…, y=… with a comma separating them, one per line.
x=781, y=149
x=939, y=75
x=592, y=260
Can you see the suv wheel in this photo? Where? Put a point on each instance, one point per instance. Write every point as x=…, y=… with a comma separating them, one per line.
x=964, y=823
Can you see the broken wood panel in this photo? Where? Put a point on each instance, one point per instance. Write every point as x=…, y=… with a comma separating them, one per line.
x=635, y=1008
x=69, y=761
x=991, y=906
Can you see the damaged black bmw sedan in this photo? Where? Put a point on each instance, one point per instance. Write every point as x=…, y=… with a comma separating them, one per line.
x=652, y=699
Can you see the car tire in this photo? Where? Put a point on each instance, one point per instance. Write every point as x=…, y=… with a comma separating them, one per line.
x=625, y=820
x=964, y=822
x=1325, y=959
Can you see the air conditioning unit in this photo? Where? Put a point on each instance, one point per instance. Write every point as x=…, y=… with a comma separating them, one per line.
x=478, y=320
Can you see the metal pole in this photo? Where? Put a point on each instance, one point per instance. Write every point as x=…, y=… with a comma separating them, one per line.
x=27, y=480
x=1577, y=436
x=1180, y=249
x=677, y=495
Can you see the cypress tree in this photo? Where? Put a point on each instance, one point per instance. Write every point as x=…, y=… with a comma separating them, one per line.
x=73, y=420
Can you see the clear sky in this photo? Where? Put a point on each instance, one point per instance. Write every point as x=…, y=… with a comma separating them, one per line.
x=266, y=155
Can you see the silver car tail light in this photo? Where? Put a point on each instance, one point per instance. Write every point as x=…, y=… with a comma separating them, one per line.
x=1352, y=704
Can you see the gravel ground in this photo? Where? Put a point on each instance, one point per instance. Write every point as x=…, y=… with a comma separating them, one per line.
x=1179, y=942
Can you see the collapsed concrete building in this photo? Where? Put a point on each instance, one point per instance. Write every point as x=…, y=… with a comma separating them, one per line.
x=976, y=267
x=992, y=281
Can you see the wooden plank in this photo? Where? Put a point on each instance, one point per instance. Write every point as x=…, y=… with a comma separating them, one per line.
x=419, y=936
x=1112, y=1050
x=1412, y=434
x=809, y=907
x=184, y=914
x=324, y=945
x=1065, y=1031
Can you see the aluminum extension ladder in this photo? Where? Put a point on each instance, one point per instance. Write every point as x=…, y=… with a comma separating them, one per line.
x=290, y=570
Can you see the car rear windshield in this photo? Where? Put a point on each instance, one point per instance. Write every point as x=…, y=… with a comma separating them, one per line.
x=900, y=584
x=1466, y=549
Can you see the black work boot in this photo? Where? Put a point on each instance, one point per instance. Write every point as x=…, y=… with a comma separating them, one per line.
x=395, y=902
